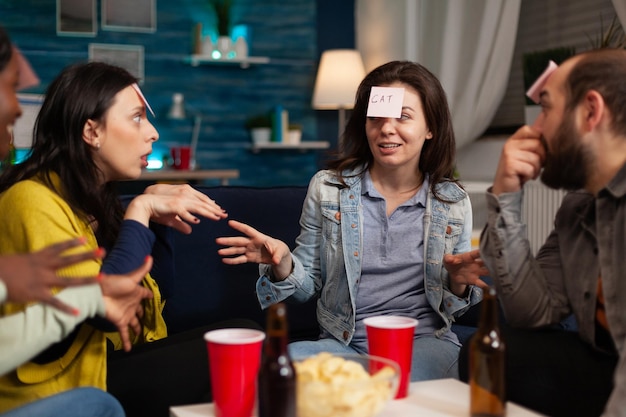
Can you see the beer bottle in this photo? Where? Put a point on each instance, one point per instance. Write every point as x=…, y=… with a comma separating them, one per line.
x=277, y=376
x=486, y=363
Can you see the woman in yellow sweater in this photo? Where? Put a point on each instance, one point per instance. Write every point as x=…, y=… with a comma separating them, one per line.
x=92, y=130
x=30, y=277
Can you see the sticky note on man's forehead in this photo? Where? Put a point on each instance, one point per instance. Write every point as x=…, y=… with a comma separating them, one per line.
x=385, y=102
x=535, y=90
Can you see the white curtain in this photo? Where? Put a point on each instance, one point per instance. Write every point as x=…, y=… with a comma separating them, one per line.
x=468, y=44
x=620, y=8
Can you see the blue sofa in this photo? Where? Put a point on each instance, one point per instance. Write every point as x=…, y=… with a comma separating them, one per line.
x=205, y=290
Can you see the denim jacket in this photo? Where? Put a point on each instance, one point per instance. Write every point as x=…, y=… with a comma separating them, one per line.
x=327, y=259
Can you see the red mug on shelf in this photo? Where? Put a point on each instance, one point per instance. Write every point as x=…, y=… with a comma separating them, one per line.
x=181, y=156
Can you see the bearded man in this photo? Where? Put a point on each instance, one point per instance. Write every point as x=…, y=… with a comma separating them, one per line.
x=579, y=144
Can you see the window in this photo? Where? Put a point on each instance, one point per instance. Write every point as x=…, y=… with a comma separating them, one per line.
x=545, y=25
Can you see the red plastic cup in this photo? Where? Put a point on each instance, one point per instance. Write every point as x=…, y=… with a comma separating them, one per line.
x=234, y=361
x=181, y=156
x=392, y=337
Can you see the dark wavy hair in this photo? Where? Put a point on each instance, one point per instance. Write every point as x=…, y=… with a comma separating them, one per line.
x=6, y=48
x=602, y=70
x=438, y=154
x=79, y=93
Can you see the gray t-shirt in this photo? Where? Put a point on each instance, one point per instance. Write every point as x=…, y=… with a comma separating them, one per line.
x=392, y=267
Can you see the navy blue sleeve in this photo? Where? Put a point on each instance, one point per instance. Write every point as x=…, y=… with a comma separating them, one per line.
x=133, y=244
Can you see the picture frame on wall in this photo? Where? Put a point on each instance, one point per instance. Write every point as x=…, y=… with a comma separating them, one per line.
x=129, y=57
x=25, y=125
x=76, y=18
x=118, y=15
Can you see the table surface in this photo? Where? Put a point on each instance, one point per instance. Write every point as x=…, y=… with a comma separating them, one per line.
x=174, y=174
x=438, y=398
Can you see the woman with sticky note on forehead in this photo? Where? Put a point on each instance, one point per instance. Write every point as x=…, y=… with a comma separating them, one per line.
x=376, y=226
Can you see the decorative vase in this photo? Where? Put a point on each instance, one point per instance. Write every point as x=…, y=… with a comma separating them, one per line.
x=224, y=45
x=197, y=39
x=241, y=48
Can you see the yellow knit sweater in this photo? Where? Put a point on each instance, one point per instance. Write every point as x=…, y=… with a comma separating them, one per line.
x=33, y=217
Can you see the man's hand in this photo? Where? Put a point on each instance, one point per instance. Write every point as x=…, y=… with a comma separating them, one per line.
x=122, y=300
x=521, y=160
x=31, y=277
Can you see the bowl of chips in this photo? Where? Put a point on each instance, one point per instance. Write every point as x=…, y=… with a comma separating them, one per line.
x=344, y=385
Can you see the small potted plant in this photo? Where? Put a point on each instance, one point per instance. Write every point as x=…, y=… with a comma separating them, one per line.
x=260, y=127
x=294, y=136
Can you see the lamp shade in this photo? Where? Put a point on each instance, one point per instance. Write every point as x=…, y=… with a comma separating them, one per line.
x=338, y=77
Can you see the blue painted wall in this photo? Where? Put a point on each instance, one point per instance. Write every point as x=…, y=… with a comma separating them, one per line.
x=291, y=33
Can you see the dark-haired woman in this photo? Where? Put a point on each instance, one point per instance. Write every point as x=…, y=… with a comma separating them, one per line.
x=375, y=229
x=92, y=130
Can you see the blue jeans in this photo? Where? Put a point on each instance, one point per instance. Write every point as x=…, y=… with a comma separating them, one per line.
x=433, y=358
x=78, y=402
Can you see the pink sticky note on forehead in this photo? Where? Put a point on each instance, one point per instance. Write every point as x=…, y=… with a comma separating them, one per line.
x=385, y=102
x=26, y=77
x=138, y=90
x=535, y=89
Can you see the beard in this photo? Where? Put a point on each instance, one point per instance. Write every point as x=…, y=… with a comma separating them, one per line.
x=567, y=165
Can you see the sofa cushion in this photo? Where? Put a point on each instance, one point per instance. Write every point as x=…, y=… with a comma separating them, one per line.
x=205, y=290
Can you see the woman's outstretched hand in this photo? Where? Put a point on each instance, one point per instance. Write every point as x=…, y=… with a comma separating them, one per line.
x=177, y=206
x=255, y=247
x=465, y=269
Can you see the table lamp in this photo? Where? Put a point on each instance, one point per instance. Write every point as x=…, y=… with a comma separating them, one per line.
x=339, y=74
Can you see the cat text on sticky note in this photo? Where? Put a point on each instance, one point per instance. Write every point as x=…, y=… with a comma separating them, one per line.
x=385, y=102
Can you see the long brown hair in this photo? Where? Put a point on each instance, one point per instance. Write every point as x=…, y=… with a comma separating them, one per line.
x=79, y=93
x=438, y=154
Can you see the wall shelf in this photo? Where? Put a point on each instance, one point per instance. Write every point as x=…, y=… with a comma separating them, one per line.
x=302, y=146
x=195, y=60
